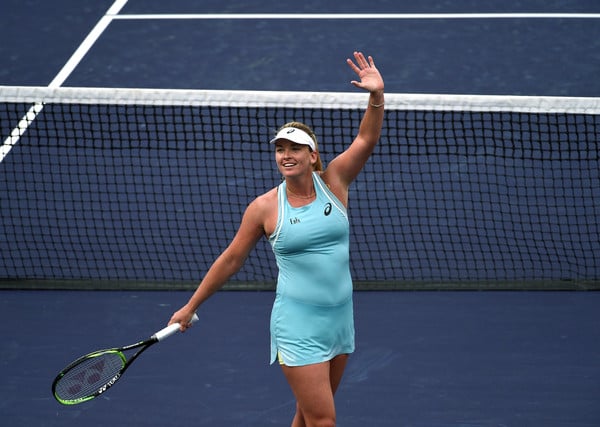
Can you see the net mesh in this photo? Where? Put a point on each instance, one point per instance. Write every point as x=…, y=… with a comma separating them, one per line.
x=115, y=188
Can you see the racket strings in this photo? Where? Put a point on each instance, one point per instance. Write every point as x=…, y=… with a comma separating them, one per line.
x=86, y=377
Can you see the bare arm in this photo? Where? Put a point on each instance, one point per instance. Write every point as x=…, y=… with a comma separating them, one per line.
x=227, y=264
x=345, y=167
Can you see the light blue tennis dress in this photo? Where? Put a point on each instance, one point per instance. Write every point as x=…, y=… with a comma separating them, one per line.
x=312, y=319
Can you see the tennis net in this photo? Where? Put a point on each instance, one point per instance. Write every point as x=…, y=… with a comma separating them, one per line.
x=139, y=188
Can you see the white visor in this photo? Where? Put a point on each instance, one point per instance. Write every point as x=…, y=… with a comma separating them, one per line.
x=295, y=135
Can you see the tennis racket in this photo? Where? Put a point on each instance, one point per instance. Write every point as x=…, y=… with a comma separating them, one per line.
x=93, y=374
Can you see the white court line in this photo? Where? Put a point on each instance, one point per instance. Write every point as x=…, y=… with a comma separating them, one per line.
x=62, y=75
x=113, y=14
x=87, y=43
x=361, y=16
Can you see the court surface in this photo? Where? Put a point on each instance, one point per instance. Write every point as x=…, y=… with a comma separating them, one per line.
x=462, y=47
x=423, y=359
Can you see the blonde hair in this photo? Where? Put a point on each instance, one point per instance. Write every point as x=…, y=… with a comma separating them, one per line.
x=318, y=166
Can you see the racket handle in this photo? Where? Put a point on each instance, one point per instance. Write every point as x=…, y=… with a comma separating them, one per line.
x=171, y=329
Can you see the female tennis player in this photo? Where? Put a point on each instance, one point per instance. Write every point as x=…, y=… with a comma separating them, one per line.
x=305, y=220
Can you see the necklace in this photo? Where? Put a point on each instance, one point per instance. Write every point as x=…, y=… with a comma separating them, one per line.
x=298, y=196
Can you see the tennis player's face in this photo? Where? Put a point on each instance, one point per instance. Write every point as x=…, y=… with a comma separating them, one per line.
x=294, y=159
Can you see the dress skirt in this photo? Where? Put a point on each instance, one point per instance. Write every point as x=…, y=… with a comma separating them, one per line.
x=304, y=333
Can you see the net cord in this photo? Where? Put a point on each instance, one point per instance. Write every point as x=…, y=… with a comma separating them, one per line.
x=292, y=99
x=40, y=95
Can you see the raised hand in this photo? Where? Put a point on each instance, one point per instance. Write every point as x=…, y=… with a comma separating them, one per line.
x=370, y=78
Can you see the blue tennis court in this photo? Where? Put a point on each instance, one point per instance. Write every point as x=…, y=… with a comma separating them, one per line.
x=500, y=53
x=423, y=359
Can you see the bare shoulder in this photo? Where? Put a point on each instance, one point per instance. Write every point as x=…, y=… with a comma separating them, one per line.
x=266, y=200
x=335, y=184
x=263, y=210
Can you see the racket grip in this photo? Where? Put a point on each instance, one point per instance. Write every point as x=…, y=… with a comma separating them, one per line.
x=171, y=329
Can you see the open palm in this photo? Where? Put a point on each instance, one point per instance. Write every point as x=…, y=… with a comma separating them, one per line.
x=370, y=78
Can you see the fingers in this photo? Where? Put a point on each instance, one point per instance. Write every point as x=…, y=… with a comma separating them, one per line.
x=184, y=320
x=364, y=67
x=184, y=326
x=361, y=62
x=353, y=66
x=360, y=59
